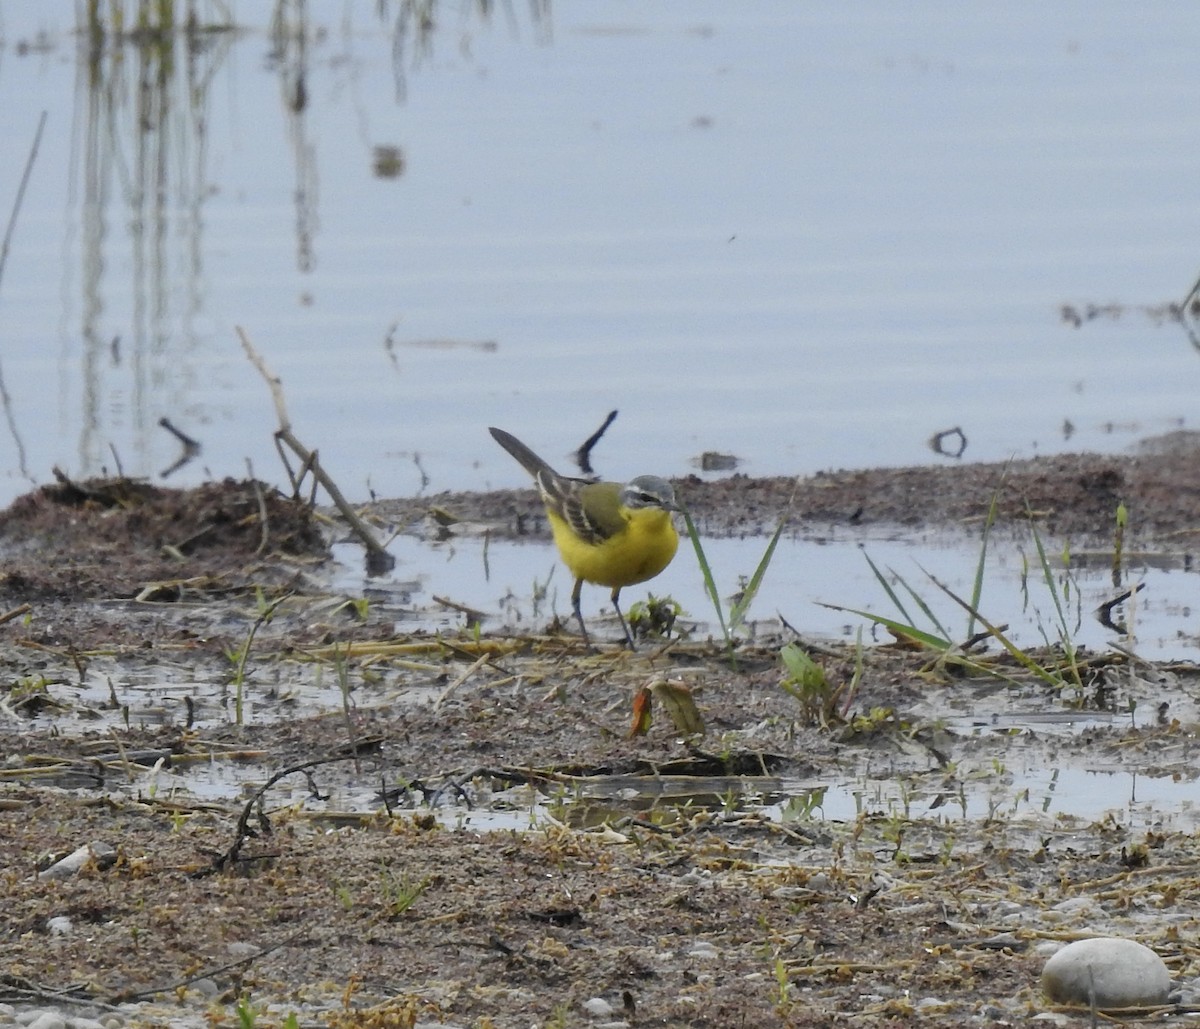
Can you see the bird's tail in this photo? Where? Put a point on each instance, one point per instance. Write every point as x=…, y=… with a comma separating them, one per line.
x=533, y=464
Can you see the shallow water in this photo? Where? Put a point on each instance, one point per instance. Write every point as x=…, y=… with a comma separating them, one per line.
x=523, y=586
x=809, y=235
x=1022, y=787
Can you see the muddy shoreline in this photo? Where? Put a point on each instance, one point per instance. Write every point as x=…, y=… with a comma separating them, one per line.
x=1069, y=495
x=937, y=898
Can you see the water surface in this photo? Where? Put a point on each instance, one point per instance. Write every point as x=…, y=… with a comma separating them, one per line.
x=809, y=235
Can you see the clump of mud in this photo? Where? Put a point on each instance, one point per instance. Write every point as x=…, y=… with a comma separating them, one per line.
x=109, y=537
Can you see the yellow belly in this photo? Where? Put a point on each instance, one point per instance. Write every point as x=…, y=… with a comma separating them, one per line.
x=637, y=553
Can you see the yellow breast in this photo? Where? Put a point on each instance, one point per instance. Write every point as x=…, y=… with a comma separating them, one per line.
x=638, y=552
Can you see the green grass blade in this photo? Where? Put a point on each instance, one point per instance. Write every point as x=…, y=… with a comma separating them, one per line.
x=899, y=604
x=902, y=630
x=738, y=611
x=1017, y=654
x=925, y=608
x=887, y=588
x=977, y=586
x=710, y=585
x=1048, y=577
x=1065, y=637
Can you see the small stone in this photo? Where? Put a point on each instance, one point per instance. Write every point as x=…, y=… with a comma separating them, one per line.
x=598, y=1007
x=704, y=951
x=1116, y=973
x=47, y=1020
x=102, y=853
x=1008, y=909
x=1002, y=941
x=1188, y=994
x=240, y=949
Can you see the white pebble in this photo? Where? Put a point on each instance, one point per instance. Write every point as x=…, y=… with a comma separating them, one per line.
x=704, y=951
x=46, y=1020
x=1120, y=973
x=598, y=1007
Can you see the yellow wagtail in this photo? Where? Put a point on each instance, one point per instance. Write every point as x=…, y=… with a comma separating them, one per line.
x=607, y=533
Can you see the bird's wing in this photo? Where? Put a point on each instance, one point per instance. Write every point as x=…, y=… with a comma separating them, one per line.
x=591, y=509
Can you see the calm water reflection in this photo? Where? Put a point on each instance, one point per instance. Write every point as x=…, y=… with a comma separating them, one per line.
x=811, y=235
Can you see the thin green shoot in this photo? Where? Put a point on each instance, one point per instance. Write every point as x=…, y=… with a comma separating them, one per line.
x=901, y=630
x=783, y=992
x=977, y=586
x=247, y=1013
x=946, y=638
x=343, y=674
x=265, y=613
x=1065, y=637
x=806, y=680
x=859, y=668
x=917, y=598
x=1119, y=543
x=949, y=652
x=400, y=892
x=1023, y=659
x=737, y=613
x=738, y=610
x=710, y=584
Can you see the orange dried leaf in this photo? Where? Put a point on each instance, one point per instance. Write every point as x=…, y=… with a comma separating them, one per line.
x=641, y=713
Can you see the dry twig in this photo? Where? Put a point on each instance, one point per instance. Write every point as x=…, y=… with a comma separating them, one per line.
x=378, y=559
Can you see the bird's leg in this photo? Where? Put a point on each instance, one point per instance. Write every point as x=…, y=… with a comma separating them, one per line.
x=624, y=625
x=575, y=595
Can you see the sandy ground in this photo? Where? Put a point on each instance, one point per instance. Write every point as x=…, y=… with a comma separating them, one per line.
x=625, y=909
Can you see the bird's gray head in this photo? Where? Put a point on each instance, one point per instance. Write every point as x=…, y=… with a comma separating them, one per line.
x=649, y=491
